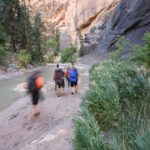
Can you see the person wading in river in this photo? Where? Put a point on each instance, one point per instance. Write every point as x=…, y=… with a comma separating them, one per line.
x=59, y=81
x=35, y=82
x=73, y=77
x=67, y=73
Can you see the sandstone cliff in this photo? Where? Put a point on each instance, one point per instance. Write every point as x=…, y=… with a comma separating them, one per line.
x=71, y=17
x=99, y=22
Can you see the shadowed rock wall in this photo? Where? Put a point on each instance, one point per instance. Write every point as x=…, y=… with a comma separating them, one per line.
x=130, y=19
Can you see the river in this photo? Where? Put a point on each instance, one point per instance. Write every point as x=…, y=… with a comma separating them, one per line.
x=10, y=91
x=9, y=88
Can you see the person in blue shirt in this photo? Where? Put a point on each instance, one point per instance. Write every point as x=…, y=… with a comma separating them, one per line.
x=73, y=77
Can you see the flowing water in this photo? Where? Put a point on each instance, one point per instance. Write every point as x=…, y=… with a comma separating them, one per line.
x=11, y=91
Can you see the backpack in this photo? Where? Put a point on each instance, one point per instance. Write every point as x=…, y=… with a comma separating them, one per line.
x=67, y=73
x=39, y=82
x=73, y=75
x=59, y=74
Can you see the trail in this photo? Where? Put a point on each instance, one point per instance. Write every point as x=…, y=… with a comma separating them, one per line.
x=52, y=130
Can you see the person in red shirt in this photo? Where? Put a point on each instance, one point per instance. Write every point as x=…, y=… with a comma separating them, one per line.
x=67, y=74
x=59, y=81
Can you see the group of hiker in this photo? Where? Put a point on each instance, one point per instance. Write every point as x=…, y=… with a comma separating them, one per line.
x=35, y=83
x=71, y=75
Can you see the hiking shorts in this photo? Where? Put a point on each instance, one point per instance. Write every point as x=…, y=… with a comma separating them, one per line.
x=35, y=97
x=60, y=83
x=74, y=84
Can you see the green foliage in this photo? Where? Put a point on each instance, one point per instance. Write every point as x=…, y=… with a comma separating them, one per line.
x=24, y=58
x=51, y=58
x=53, y=44
x=118, y=99
x=2, y=35
x=121, y=44
x=3, y=54
x=68, y=55
x=87, y=133
x=13, y=17
x=37, y=39
x=3, y=50
x=20, y=32
x=141, y=55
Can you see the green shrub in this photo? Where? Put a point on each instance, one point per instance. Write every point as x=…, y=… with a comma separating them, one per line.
x=121, y=44
x=141, y=55
x=68, y=55
x=122, y=86
x=87, y=133
x=119, y=100
x=3, y=54
x=54, y=44
x=51, y=58
x=24, y=58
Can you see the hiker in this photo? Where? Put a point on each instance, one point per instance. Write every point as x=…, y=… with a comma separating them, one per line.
x=35, y=82
x=67, y=75
x=73, y=77
x=59, y=81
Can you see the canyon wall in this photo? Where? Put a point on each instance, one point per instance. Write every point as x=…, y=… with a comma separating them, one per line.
x=130, y=19
x=98, y=22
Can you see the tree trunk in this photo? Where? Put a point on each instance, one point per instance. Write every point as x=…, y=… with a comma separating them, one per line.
x=14, y=46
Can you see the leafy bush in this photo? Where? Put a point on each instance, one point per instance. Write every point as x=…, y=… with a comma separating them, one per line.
x=115, y=86
x=3, y=54
x=54, y=44
x=119, y=100
x=51, y=58
x=68, y=55
x=121, y=44
x=87, y=132
x=141, y=55
x=24, y=58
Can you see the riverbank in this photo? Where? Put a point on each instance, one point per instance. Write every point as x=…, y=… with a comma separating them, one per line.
x=6, y=72
x=52, y=130
x=7, y=75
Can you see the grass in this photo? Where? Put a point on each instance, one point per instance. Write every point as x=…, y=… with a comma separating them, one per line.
x=115, y=110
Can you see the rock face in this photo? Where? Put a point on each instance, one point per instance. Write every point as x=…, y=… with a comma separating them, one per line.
x=71, y=17
x=130, y=19
x=98, y=22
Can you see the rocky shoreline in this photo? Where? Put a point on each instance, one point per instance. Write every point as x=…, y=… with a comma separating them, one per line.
x=12, y=71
